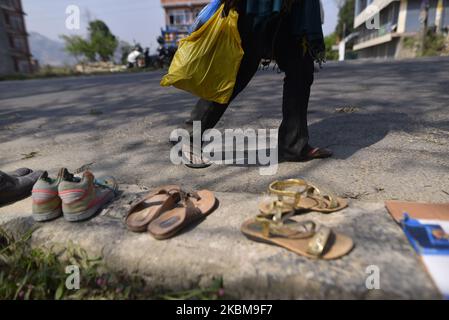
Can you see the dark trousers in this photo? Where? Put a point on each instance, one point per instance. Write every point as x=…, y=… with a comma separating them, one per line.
x=298, y=67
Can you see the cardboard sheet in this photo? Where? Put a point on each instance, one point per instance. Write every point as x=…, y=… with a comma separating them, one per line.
x=437, y=265
x=438, y=268
x=419, y=211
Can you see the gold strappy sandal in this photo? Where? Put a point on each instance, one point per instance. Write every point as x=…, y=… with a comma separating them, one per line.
x=307, y=197
x=303, y=238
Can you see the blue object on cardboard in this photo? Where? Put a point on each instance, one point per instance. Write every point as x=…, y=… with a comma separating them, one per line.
x=422, y=237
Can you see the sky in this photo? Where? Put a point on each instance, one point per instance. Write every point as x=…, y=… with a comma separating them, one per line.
x=131, y=20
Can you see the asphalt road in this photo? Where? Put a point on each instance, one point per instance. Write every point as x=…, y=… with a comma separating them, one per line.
x=392, y=144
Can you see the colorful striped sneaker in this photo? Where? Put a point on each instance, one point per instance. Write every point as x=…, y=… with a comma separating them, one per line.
x=47, y=204
x=82, y=199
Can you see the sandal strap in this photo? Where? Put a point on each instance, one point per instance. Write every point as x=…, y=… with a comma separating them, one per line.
x=300, y=230
x=273, y=225
x=172, y=192
x=278, y=188
x=276, y=210
x=192, y=212
x=318, y=243
x=187, y=193
x=327, y=200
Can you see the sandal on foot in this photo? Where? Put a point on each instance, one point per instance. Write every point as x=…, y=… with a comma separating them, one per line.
x=318, y=153
x=152, y=206
x=311, y=154
x=194, y=160
x=304, y=238
x=193, y=207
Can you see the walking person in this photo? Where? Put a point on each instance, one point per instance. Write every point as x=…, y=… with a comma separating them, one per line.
x=290, y=32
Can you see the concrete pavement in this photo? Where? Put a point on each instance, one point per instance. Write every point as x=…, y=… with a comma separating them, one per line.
x=215, y=248
x=391, y=142
x=393, y=146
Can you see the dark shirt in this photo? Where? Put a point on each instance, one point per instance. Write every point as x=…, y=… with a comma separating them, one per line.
x=305, y=19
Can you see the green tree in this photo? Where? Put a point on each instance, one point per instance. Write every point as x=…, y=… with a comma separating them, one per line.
x=100, y=44
x=78, y=47
x=345, y=25
x=330, y=41
x=103, y=42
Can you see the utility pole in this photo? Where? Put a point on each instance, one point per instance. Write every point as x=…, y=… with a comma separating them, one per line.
x=439, y=16
x=424, y=19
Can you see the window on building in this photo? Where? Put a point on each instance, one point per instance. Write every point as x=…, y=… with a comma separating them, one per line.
x=7, y=19
x=180, y=17
x=13, y=4
x=413, y=22
x=446, y=14
x=432, y=12
x=16, y=65
x=360, y=6
x=24, y=66
x=20, y=44
x=16, y=22
x=11, y=41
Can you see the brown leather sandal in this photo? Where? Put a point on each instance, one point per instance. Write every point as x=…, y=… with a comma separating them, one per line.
x=151, y=206
x=193, y=206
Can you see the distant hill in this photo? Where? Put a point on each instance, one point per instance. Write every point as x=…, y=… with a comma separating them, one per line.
x=48, y=51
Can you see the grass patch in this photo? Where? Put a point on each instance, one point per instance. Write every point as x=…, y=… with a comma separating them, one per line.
x=434, y=45
x=43, y=73
x=410, y=42
x=34, y=274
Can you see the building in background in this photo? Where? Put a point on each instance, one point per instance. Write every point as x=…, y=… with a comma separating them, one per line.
x=398, y=19
x=15, y=56
x=179, y=16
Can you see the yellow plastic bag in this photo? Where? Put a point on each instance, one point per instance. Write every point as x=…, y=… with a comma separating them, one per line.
x=206, y=62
